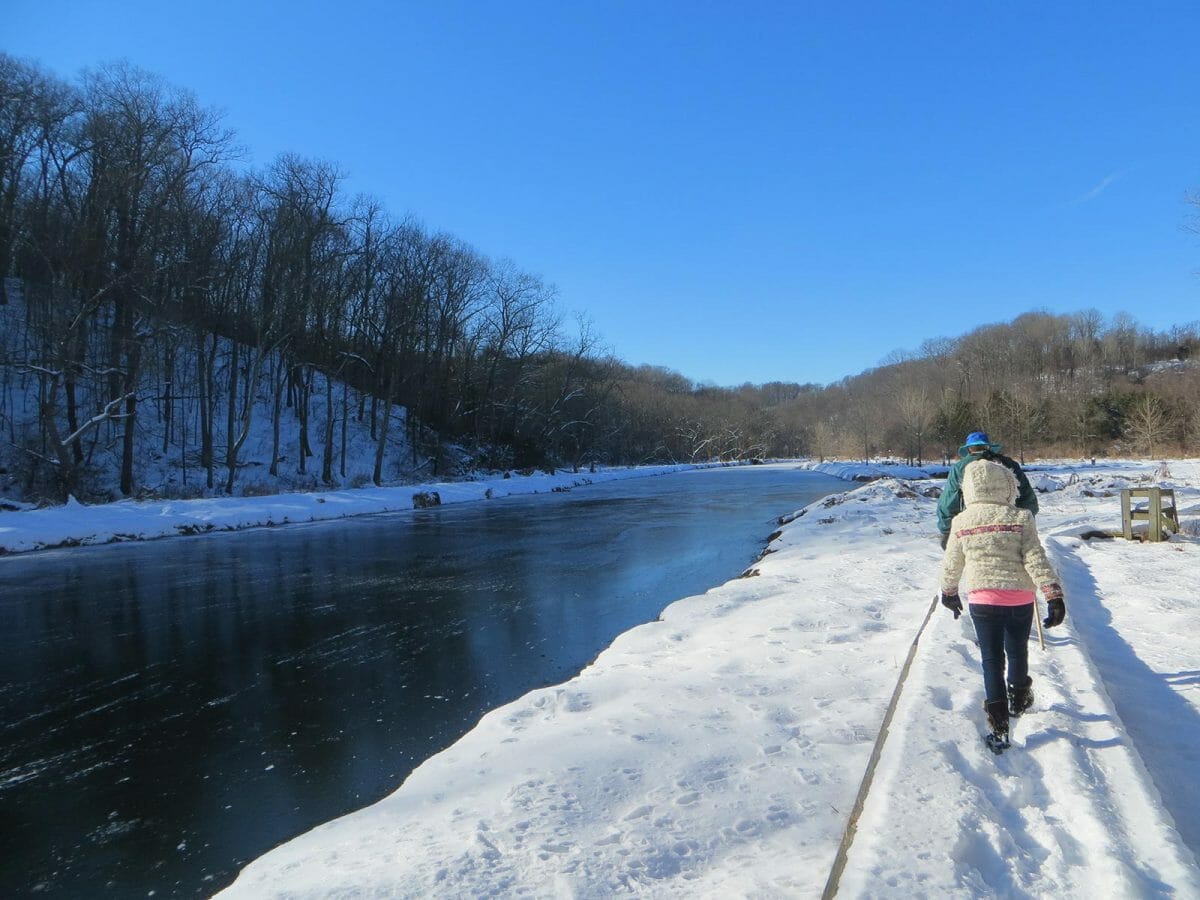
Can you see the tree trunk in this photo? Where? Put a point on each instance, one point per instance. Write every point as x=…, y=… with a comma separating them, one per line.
x=66, y=467
x=128, y=448
x=116, y=343
x=73, y=418
x=214, y=346
x=345, y=422
x=231, y=419
x=168, y=397
x=246, y=418
x=278, y=382
x=202, y=399
x=327, y=448
x=304, y=388
x=183, y=439
x=384, y=425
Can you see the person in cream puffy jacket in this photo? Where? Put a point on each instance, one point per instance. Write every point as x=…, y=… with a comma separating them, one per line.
x=994, y=549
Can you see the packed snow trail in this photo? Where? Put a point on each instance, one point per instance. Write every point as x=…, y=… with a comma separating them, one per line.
x=1068, y=811
x=1072, y=810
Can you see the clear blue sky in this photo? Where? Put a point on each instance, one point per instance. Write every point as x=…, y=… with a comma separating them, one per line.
x=737, y=191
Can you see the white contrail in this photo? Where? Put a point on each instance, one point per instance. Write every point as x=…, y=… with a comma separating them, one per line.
x=1100, y=188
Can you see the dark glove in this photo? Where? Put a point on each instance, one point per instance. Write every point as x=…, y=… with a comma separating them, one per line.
x=944, y=538
x=952, y=603
x=1058, y=612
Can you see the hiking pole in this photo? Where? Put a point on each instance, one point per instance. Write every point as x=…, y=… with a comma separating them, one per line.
x=1037, y=617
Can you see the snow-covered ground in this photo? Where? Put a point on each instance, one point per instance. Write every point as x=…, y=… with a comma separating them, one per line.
x=719, y=750
x=131, y=520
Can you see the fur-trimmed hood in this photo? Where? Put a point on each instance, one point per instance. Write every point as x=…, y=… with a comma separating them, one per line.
x=989, y=482
x=993, y=543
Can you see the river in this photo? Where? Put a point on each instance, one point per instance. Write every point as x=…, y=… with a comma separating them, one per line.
x=171, y=710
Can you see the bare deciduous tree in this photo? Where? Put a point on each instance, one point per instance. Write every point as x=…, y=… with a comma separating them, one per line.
x=1149, y=423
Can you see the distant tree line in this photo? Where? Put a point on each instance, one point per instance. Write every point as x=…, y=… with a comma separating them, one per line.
x=161, y=279
x=1045, y=384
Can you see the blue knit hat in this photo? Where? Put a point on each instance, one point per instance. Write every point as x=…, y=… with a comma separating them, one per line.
x=978, y=439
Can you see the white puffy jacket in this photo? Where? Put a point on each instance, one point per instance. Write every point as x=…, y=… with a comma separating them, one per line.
x=993, y=544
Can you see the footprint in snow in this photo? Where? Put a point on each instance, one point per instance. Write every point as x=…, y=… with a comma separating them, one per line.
x=940, y=697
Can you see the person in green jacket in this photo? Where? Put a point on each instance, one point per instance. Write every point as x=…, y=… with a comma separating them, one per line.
x=979, y=446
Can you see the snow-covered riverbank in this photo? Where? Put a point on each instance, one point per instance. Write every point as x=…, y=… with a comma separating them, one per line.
x=131, y=520
x=718, y=751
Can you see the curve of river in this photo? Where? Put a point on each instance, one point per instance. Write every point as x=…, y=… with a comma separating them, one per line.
x=173, y=709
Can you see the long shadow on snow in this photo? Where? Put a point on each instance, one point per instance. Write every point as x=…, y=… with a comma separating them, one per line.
x=1046, y=735
x=1144, y=700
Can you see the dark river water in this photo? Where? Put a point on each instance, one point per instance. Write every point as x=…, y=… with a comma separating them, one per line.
x=171, y=710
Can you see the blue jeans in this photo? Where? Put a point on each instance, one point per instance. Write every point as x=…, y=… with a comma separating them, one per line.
x=1001, y=630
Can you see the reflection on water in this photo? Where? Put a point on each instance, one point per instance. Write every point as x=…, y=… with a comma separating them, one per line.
x=171, y=710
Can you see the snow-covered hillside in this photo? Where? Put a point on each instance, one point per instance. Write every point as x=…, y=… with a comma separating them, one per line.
x=167, y=462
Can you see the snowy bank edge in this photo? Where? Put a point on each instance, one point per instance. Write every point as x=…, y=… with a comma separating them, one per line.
x=431, y=798
x=77, y=525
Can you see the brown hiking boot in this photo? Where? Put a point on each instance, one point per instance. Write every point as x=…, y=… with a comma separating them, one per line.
x=1020, y=698
x=997, y=716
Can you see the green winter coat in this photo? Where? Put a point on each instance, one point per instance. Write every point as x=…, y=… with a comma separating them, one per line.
x=951, y=502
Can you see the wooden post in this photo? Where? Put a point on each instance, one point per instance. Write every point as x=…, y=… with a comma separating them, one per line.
x=1170, y=515
x=1159, y=519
